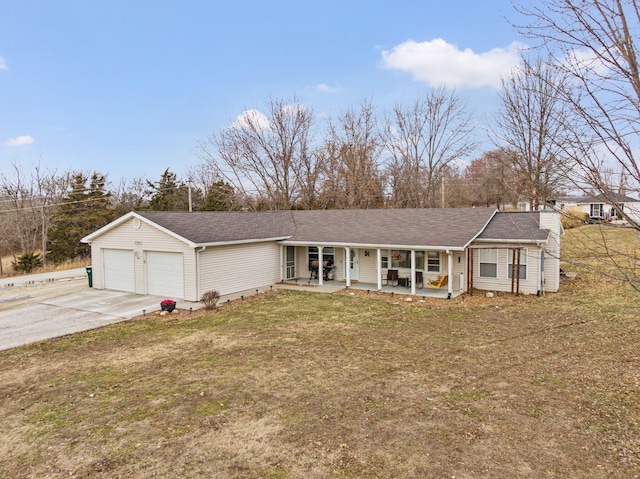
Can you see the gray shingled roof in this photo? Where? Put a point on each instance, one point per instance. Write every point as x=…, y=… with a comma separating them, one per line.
x=222, y=226
x=440, y=228
x=444, y=228
x=515, y=226
x=617, y=197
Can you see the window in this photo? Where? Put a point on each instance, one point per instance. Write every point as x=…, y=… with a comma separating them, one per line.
x=328, y=255
x=596, y=210
x=384, y=259
x=488, y=259
x=402, y=259
x=433, y=261
x=523, y=263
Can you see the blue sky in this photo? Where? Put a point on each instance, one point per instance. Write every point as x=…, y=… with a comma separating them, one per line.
x=129, y=87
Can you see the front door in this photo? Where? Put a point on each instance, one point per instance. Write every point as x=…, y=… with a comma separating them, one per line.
x=353, y=264
x=291, y=262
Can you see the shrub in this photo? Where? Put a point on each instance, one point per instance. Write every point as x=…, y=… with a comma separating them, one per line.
x=573, y=217
x=27, y=262
x=210, y=299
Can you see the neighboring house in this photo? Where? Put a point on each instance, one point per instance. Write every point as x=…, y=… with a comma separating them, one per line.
x=182, y=255
x=600, y=207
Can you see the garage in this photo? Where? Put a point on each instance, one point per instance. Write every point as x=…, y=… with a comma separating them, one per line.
x=118, y=269
x=165, y=274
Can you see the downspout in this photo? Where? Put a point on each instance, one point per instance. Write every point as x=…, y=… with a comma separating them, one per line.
x=198, y=251
x=450, y=274
x=379, y=268
x=413, y=272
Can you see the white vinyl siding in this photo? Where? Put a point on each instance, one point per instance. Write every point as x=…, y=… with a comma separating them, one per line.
x=118, y=269
x=142, y=239
x=502, y=281
x=234, y=268
x=551, y=221
x=165, y=274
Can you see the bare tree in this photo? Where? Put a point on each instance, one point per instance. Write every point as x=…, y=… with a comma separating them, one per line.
x=490, y=181
x=27, y=205
x=531, y=126
x=129, y=195
x=349, y=159
x=266, y=155
x=217, y=194
x=420, y=141
x=595, y=43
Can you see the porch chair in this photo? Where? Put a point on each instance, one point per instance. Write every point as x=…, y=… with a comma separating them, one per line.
x=390, y=276
x=440, y=282
x=315, y=266
x=419, y=279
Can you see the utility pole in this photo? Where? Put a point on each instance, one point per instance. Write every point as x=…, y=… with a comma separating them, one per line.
x=442, y=191
x=190, y=204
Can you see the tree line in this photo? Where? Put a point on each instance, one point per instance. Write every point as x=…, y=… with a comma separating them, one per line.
x=567, y=118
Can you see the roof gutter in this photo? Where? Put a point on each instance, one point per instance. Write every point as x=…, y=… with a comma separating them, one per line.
x=245, y=241
x=373, y=245
x=505, y=240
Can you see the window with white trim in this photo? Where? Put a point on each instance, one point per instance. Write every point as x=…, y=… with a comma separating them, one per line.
x=488, y=259
x=433, y=261
x=523, y=263
x=402, y=259
x=384, y=258
x=328, y=255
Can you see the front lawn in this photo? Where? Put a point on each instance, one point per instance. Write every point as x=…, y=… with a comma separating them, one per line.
x=303, y=385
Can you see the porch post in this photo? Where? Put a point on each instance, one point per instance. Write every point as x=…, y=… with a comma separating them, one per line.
x=347, y=266
x=450, y=273
x=282, y=262
x=379, y=268
x=413, y=271
x=320, y=268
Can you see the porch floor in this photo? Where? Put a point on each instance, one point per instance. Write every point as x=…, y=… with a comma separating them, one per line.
x=426, y=292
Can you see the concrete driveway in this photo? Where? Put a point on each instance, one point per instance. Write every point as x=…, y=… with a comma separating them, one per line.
x=39, y=307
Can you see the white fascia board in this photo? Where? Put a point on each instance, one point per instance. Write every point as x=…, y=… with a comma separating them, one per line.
x=373, y=246
x=128, y=216
x=512, y=241
x=246, y=241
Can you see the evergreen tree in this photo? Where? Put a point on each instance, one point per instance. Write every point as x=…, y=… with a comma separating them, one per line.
x=84, y=209
x=169, y=194
x=220, y=197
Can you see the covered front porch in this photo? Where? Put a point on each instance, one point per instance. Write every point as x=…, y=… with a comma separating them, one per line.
x=408, y=270
x=426, y=292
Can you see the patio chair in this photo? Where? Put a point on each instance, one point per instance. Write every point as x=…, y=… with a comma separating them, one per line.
x=440, y=282
x=390, y=276
x=314, y=268
x=419, y=279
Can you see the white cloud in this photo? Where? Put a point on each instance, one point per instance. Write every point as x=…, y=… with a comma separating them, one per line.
x=323, y=87
x=437, y=62
x=3, y=65
x=20, y=141
x=253, y=118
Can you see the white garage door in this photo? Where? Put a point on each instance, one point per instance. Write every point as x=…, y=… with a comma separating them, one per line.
x=165, y=274
x=118, y=269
